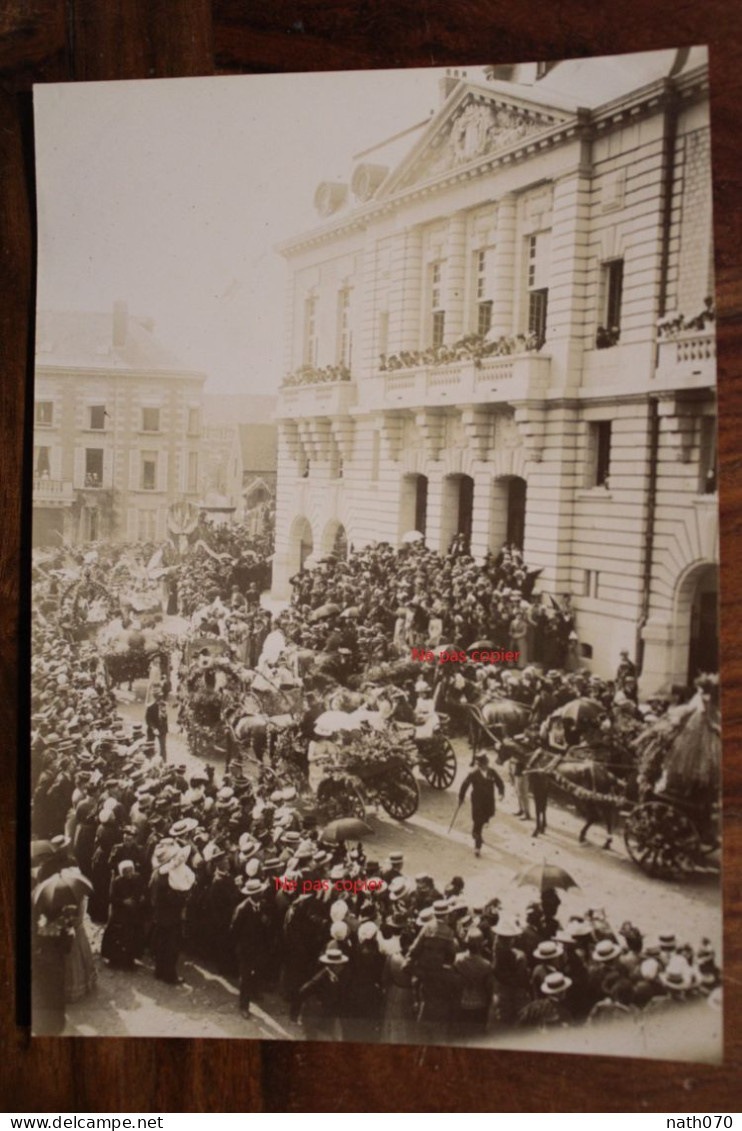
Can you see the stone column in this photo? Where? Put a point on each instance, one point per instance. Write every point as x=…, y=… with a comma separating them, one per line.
x=455, y=281
x=503, y=286
x=405, y=291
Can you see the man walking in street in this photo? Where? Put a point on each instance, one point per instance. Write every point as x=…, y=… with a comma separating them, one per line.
x=482, y=780
x=156, y=719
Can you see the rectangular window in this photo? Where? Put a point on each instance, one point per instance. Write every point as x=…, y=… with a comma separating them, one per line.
x=97, y=417
x=538, y=259
x=483, y=307
x=42, y=462
x=310, y=331
x=375, y=454
x=591, y=582
x=600, y=453
x=150, y=420
x=44, y=413
x=345, y=334
x=439, y=327
x=93, y=467
x=192, y=472
x=614, y=292
x=484, y=318
x=538, y=302
x=194, y=423
x=148, y=477
x=609, y=331
x=383, y=333
x=435, y=295
x=708, y=462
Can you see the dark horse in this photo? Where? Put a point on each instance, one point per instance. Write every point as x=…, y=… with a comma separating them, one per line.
x=582, y=775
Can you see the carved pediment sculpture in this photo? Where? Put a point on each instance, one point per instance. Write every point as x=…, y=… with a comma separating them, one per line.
x=477, y=128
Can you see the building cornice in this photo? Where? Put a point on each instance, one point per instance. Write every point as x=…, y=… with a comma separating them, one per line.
x=104, y=373
x=583, y=124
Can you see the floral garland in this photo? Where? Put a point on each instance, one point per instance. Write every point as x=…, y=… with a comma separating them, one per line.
x=473, y=347
x=674, y=323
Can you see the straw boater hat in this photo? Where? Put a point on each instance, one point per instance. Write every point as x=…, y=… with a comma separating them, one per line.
x=678, y=979
x=254, y=887
x=555, y=983
x=400, y=888
x=184, y=826
x=427, y=915
x=548, y=950
x=507, y=929
x=333, y=957
x=606, y=950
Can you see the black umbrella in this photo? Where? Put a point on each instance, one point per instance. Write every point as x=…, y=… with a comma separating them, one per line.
x=346, y=828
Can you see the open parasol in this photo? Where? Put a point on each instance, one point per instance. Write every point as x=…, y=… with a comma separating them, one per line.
x=582, y=710
x=412, y=536
x=346, y=828
x=545, y=877
x=63, y=889
x=323, y=612
x=41, y=850
x=333, y=721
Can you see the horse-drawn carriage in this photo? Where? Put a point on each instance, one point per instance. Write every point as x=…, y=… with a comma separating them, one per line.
x=675, y=827
x=665, y=785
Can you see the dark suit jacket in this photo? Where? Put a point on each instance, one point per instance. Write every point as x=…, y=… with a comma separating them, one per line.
x=482, y=792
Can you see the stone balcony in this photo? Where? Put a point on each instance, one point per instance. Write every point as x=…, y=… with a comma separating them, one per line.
x=687, y=360
x=52, y=492
x=330, y=398
x=512, y=377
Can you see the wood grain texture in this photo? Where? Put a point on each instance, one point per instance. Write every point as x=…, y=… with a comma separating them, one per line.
x=56, y=40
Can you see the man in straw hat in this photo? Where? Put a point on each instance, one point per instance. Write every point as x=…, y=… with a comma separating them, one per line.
x=250, y=934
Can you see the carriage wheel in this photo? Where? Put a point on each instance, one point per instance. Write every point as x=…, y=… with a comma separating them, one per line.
x=438, y=765
x=400, y=797
x=340, y=799
x=661, y=840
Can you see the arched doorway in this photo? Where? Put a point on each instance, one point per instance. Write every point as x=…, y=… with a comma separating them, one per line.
x=335, y=540
x=703, y=646
x=301, y=544
x=413, y=504
x=457, y=510
x=693, y=636
x=508, y=513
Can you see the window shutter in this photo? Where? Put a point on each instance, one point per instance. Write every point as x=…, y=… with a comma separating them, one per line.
x=79, y=473
x=162, y=471
x=55, y=462
x=107, y=468
x=134, y=461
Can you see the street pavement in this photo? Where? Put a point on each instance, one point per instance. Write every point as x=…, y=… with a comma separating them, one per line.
x=206, y=1005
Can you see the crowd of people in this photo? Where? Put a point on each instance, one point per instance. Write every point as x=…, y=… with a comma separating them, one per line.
x=411, y=596
x=238, y=872
x=472, y=347
x=316, y=375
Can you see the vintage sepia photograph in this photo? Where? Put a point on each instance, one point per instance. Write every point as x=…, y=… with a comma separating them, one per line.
x=375, y=636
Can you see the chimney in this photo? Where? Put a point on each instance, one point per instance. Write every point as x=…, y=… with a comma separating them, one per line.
x=449, y=82
x=120, y=323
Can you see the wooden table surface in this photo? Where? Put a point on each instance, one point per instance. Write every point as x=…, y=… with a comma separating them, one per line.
x=83, y=40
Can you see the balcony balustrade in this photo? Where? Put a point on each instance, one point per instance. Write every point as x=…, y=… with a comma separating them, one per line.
x=687, y=359
x=52, y=492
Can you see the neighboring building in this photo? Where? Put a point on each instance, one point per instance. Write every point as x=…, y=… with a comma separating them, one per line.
x=241, y=440
x=117, y=429
x=472, y=347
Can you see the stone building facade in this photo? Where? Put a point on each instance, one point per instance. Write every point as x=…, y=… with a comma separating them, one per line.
x=117, y=430
x=505, y=334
